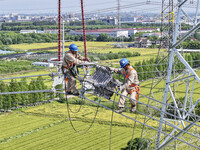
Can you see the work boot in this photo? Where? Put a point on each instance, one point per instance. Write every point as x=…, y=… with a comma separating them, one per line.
x=120, y=110
x=133, y=108
x=76, y=93
x=69, y=93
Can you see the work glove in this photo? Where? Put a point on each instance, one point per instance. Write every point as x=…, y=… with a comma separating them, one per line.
x=108, y=68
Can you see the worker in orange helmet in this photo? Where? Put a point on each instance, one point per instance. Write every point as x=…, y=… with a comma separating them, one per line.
x=130, y=86
x=71, y=59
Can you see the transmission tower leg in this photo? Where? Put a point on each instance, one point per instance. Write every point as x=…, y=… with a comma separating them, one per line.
x=169, y=71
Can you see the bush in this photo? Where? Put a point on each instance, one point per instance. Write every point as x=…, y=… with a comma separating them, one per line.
x=138, y=144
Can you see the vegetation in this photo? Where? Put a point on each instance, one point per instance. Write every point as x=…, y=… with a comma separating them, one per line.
x=16, y=66
x=47, y=127
x=146, y=68
x=111, y=55
x=16, y=100
x=55, y=128
x=138, y=143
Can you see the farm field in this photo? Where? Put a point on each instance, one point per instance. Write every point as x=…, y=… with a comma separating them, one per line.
x=96, y=47
x=55, y=131
x=48, y=127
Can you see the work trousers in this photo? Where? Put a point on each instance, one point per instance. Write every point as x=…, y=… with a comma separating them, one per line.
x=71, y=84
x=123, y=99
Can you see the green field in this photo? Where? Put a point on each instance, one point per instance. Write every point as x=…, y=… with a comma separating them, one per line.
x=48, y=126
x=95, y=47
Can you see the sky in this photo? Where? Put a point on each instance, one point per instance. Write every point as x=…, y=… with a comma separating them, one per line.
x=90, y=6
x=50, y=6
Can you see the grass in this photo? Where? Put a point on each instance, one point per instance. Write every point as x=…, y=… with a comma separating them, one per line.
x=61, y=135
x=58, y=134
x=47, y=127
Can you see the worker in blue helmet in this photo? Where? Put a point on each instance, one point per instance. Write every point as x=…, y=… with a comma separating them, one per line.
x=71, y=59
x=130, y=85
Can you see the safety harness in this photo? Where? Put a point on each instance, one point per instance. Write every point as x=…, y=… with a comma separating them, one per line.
x=137, y=87
x=71, y=67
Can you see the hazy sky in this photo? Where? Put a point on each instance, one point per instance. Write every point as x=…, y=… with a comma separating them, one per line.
x=51, y=6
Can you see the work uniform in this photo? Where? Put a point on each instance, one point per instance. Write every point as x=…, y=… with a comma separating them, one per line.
x=130, y=86
x=69, y=61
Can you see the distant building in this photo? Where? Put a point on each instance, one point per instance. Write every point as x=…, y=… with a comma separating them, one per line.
x=110, y=20
x=114, y=32
x=28, y=31
x=96, y=33
x=142, y=43
x=45, y=64
x=51, y=31
x=128, y=19
x=151, y=34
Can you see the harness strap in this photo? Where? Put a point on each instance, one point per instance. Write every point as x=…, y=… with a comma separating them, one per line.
x=137, y=90
x=70, y=65
x=66, y=81
x=128, y=73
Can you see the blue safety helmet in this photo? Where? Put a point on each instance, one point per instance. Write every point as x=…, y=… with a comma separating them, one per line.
x=123, y=62
x=73, y=47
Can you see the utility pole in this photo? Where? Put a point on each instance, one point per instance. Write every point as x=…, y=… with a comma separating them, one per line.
x=63, y=42
x=83, y=22
x=59, y=30
x=118, y=15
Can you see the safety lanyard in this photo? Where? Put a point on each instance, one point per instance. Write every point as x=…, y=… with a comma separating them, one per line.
x=128, y=73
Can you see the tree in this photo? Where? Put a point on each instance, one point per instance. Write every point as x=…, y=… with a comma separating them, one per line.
x=140, y=71
x=16, y=98
x=24, y=87
x=145, y=69
x=138, y=144
x=197, y=35
x=2, y=97
x=8, y=100
x=190, y=61
x=35, y=96
x=103, y=37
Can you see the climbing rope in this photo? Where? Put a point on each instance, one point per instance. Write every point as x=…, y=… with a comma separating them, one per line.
x=82, y=99
x=133, y=129
x=68, y=110
x=90, y=124
x=112, y=119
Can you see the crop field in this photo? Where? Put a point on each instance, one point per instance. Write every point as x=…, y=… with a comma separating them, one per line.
x=24, y=46
x=97, y=47
x=48, y=127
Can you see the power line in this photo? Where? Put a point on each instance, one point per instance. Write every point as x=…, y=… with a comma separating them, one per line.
x=150, y=126
x=26, y=76
x=24, y=92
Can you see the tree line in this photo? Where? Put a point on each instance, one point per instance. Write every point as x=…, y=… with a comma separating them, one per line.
x=111, y=55
x=8, y=38
x=77, y=25
x=41, y=25
x=15, y=100
x=16, y=66
x=146, y=68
